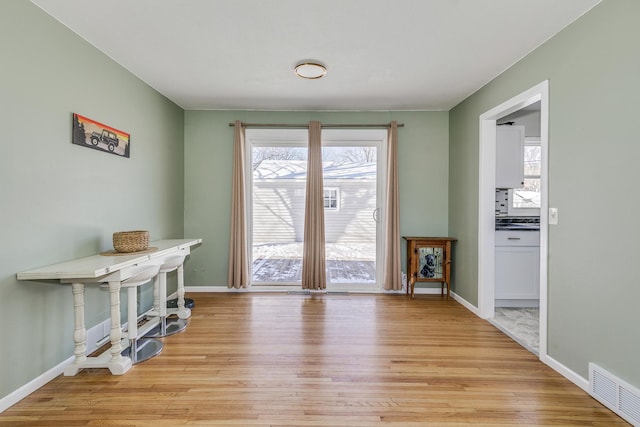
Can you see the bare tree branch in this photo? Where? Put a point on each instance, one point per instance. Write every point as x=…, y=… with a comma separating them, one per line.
x=260, y=154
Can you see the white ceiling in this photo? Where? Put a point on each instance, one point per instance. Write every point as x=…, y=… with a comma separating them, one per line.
x=380, y=54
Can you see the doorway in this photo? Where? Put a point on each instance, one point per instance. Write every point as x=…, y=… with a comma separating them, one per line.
x=487, y=204
x=517, y=256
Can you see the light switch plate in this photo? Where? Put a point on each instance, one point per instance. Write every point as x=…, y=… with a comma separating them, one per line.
x=553, y=216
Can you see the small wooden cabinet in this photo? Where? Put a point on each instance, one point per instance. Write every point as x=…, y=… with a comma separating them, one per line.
x=429, y=260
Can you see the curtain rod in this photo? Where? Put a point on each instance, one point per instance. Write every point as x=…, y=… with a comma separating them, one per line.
x=304, y=126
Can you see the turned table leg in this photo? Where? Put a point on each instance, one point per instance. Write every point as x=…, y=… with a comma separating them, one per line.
x=79, y=331
x=118, y=364
x=183, y=312
x=162, y=308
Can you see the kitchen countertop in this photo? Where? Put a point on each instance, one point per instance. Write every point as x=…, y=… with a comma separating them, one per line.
x=527, y=223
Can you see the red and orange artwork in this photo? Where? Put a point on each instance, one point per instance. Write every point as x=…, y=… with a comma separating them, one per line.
x=93, y=134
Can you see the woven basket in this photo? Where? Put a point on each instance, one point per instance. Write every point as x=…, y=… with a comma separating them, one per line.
x=131, y=241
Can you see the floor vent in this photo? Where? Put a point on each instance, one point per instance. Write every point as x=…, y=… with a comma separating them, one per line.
x=617, y=395
x=337, y=292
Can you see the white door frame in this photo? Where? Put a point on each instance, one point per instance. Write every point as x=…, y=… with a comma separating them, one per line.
x=486, y=202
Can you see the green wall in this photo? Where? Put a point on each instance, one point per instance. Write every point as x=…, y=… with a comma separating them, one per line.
x=61, y=201
x=423, y=158
x=593, y=67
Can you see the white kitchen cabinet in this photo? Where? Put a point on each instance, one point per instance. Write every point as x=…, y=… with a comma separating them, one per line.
x=517, y=268
x=509, y=156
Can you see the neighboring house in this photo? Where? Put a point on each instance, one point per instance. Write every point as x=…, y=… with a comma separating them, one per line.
x=279, y=198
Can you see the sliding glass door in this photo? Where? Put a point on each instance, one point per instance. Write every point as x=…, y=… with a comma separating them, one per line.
x=353, y=176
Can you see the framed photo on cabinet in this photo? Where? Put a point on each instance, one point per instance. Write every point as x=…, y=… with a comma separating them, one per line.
x=429, y=260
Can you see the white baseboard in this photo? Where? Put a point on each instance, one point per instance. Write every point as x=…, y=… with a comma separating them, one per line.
x=427, y=291
x=33, y=385
x=94, y=335
x=581, y=382
x=504, y=303
x=466, y=304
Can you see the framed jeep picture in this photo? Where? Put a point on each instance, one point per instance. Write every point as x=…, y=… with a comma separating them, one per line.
x=92, y=134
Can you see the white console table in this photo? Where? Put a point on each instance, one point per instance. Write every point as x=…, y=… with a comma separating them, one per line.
x=97, y=269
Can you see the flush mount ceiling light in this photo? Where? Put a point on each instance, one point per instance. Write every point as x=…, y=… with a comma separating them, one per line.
x=310, y=70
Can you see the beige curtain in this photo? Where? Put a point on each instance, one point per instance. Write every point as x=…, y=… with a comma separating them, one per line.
x=313, y=263
x=238, y=246
x=392, y=268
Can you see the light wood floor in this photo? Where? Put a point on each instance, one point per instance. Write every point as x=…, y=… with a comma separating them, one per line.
x=322, y=360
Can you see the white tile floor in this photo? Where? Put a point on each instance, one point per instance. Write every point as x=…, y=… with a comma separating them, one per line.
x=521, y=324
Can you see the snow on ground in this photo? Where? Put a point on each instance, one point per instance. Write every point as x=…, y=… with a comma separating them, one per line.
x=346, y=262
x=333, y=251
